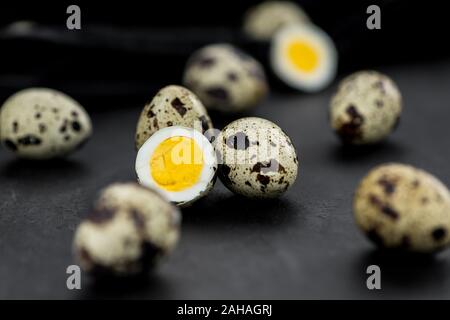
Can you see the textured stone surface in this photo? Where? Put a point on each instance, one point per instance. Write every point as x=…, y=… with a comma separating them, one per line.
x=303, y=245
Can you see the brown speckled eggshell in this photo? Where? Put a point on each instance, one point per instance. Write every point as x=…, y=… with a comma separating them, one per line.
x=172, y=106
x=226, y=78
x=42, y=123
x=399, y=206
x=127, y=232
x=249, y=166
x=366, y=108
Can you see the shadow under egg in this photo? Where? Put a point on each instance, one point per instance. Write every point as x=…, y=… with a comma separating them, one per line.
x=230, y=209
x=349, y=154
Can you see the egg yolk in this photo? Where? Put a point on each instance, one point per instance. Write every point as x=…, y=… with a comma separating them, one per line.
x=302, y=55
x=177, y=163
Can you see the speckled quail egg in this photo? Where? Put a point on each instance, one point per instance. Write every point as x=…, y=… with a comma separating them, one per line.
x=172, y=106
x=129, y=229
x=179, y=162
x=41, y=123
x=304, y=57
x=399, y=206
x=365, y=108
x=225, y=78
x=262, y=21
x=257, y=159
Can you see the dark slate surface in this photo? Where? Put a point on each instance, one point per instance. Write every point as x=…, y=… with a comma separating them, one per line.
x=304, y=245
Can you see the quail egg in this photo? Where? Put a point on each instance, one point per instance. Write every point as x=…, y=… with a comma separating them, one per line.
x=263, y=20
x=129, y=229
x=399, y=206
x=365, y=108
x=225, y=78
x=179, y=162
x=257, y=159
x=304, y=57
x=41, y=123
x=172, y=106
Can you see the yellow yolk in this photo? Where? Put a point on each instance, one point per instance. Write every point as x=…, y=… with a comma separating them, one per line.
x=302, y=55
x=177, y=163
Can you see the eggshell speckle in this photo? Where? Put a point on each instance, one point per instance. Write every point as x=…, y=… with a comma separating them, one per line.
x=257, y=158
x=366, y=108
x=399, y=206
x=128, y=231
x=225, y=78
x=172, y=106
x=40, y=123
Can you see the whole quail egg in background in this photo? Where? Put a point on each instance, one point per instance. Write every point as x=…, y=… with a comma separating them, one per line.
x=225, y=78
x=366, y=108
x=172, y=106
x=179, y=162
x=129, y=229
x=304, y=57
x=263, y=20
x=400, y=206
x=257, y=159
x=41, y=123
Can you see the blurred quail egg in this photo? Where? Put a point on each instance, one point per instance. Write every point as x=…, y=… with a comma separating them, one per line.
x=263, y=20
x=129, y=229
x=257, y=159
x=172, y=106
x=179, y=162
x=40, y=123
x=304, y=57
x=366, y=108
x=399, y=206
x=226, y=78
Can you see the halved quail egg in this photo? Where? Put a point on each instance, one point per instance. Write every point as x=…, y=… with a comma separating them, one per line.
x=304, y=57
x=179, y=162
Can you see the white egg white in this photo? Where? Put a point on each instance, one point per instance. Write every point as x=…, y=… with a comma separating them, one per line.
x=207, y=176
x=292, y=76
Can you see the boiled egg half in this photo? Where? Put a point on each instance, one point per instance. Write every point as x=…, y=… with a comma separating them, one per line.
x=179, y=162
x=304, y=57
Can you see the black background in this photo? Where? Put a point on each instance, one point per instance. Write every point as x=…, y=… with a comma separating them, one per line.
x=303, y=245
x=126, y=48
